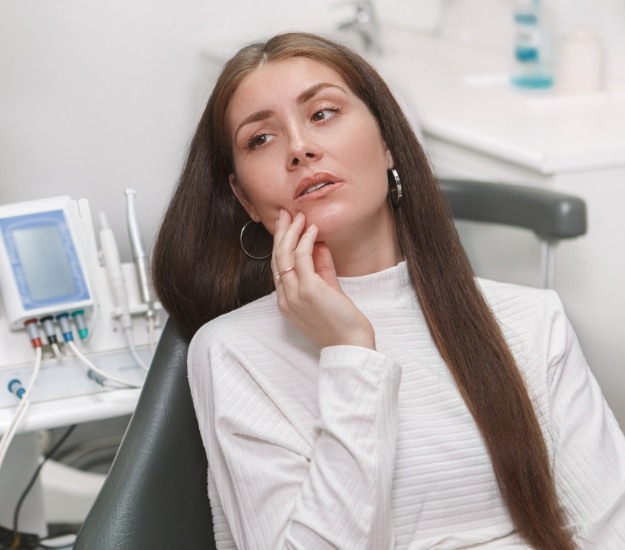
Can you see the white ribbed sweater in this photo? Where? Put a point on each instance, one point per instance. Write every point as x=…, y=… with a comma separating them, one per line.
x=350, y=448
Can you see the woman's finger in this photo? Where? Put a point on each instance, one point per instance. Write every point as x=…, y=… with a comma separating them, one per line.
x=280, y=227
x=286, y=243
x=324, y=264
x=303, y=254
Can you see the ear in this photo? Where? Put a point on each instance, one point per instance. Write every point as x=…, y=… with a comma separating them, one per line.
x=241, y=195
x=389, y=158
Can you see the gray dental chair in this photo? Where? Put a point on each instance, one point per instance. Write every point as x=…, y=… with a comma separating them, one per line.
x=155, y=495
x=551, y=215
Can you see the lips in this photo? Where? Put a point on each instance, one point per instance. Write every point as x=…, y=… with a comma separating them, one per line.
x=318, y=181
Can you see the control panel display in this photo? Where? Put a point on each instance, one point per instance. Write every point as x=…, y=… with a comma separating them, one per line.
x=42, y=272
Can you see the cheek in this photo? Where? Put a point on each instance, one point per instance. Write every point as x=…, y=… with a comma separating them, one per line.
x=259, y=173
x=373, y=163
x=265, y=195
x=372, y=150
x=256, y=191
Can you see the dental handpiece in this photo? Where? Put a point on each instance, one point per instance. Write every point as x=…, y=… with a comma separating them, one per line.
x=138, y=253
x=113, y=266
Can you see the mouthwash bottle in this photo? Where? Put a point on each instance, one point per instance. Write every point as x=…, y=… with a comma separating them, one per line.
x=532, y=47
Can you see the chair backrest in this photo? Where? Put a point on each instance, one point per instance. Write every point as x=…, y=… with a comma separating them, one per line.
x=155, y=495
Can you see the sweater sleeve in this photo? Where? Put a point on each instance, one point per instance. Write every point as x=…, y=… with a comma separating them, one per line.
x=589, y=445
x=282, y=488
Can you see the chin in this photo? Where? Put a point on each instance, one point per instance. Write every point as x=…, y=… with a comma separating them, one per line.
x=328, y=226
x=345, y=221
x=337, y=231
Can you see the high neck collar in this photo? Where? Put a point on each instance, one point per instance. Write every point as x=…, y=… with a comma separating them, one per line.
x=382, y=286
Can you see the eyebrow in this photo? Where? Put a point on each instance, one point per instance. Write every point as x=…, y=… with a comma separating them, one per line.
x=314, y=90
x=305, y=96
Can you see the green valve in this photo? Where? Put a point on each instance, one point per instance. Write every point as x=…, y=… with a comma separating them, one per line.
x=81, y=325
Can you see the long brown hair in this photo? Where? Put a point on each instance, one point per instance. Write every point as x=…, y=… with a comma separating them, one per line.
x=201, y=272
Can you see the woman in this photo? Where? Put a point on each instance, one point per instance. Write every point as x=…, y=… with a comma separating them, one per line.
x=380, y=397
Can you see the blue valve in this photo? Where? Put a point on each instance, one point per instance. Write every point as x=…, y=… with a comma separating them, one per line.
x=66, y=328
x=15, y=386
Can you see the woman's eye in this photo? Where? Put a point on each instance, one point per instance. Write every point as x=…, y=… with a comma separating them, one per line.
x=325, y=113
x=256, y=141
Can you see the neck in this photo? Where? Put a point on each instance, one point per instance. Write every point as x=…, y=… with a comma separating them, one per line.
x=366, y=252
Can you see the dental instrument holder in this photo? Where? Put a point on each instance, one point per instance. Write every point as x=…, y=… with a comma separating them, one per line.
x=106, y=344
x=63, y=393
x=139, y=255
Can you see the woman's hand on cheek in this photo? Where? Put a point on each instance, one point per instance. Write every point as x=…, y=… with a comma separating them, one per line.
x=309, y=295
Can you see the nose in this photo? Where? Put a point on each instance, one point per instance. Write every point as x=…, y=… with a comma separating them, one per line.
x=300, y=158
x=302, y=150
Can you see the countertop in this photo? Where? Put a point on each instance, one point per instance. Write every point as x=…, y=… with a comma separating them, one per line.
x=462, y=94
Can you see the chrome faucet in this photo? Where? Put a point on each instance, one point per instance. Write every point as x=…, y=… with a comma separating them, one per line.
x=365, y=23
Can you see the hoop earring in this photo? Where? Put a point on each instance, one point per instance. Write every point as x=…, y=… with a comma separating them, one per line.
x=394, y=188
x=252, y=256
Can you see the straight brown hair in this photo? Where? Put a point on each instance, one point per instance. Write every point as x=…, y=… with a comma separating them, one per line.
x=201, y=272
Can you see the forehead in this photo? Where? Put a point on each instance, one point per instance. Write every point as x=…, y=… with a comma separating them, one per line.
x=277, y=82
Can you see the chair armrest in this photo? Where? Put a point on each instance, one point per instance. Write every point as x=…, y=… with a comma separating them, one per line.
x=550, y=214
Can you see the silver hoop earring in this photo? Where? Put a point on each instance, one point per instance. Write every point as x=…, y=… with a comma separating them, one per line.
x=394, y=188
x=255, y=241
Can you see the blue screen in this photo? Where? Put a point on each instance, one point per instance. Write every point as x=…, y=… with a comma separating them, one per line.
x=43, y=259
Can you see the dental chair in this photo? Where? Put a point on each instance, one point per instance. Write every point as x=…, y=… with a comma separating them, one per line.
x=551, y=215
x=155, y=495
